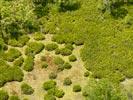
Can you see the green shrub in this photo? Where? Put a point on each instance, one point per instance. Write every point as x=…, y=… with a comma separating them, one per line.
x=12, y=54
x=43, y=58
x=14, y=98
x=57, y=51
x=44, y=65
x=67, y=65
x=60, y=68
x=52, y=91
x=18, y=62
x=49, y=97
x=72, y=58
x=39, y=36
x=20, y=42
x=34, y=48
x=59, y=93
x=65, y=52
x=79, y=42
x=67, y=81
x=26, y=89
x=3, y=95
x=52, y=75
x=86, y=74
x=5, y=47
x=76, y=88
x=69, y=46
x=51, y=46
x=58, y=61
x=28, y=63
x=49, y=85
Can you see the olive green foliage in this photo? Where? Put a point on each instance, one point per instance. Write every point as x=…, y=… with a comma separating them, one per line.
x=12, y=54
x=43, y=58
x=18, y=62
x=8, y=73
x=60, y=68
x=14, y=98
x=57, y=51
x=51, y=46
x=86, y=74
x=19, y=42
x=72, y=58
x=49, y=85
x=52, y=75
x=76, y=88
x=58, y=60
x=26, y=89
x=44, y=65
x=28, y=63
x=3, y=95
x=39, y=36
x=69, y=46
x=102, y=89
x=59, y=93
x=34, y=48
x=65, y=52
x=67, y=81
x=67, y=65
x=49, y=97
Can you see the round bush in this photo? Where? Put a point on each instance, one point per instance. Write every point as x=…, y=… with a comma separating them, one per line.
x=60, y=68
x=67, y=81
x=44, y=65
x=39, y=36
x=57, y=51
x=49, y=97
x=58, y=61
x=26, y=89
x=43, y=58
x=18, y=62
x=69, y=46
x=51, y=47
x=52, y=75
x=14, y=98
x=79, y=42
x=59, y=93
x=67, y=65
x=3, y=95
x=49, y=85
x=72, y=58
x=65, y=52
x=86, y=74
x=76, y=88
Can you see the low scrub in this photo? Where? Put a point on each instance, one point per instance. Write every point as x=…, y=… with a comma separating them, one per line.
x=3, y=95
x=51, y=46
x=39, y=36
x=26, y=89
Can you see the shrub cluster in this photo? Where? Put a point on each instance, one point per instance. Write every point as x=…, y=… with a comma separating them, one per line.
x=28, y=63
x=60, y=68
x=72, y=58
x=12, y=54
x=3, y=95
x=67, y=65
x=51, y=46
x=49, y=97
x=20, y=42
x=39, y=36
x=14, y=98
x=44, y=65
x=52, y=75
x=69, y=46
x=65, y=52
x=19, y=61
x=58, y=61
x=49, y=85
x=26, y=89
x=34, y=48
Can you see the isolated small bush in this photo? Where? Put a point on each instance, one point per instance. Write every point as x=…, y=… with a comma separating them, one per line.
x=51, y=46
x=39, y=36
x=44, y=65
x=49, y=85
x=26, y=89
x=57, y=51
x=59, y=93
x=58, y=61
x=86, y=74
x=60, y=68
x=43, y=58
x=69, y=46
x=52, y=75
x=3, y=95
x=76, y=88
x=67, y=65
x=67, y=81
x=79, y=42
x=28, y=63
x=72, y=58
x=14, y=98
x=65, y=52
